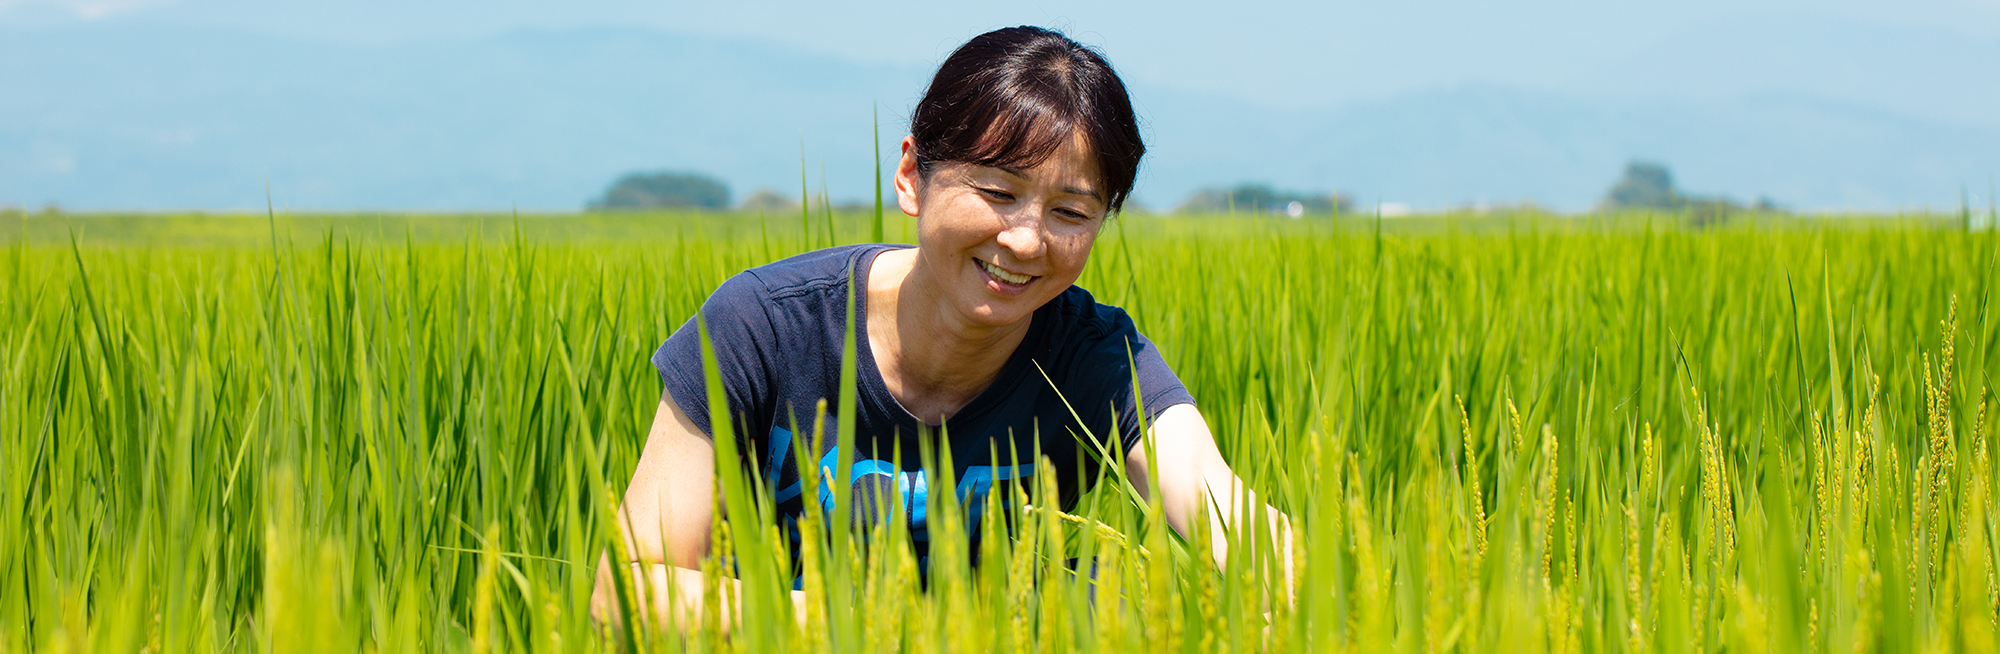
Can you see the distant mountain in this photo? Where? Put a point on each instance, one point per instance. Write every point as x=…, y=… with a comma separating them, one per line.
x=1472, y=144
x=139, y=116
x=129, y=115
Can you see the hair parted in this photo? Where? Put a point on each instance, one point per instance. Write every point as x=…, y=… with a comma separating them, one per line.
x=1012, y=97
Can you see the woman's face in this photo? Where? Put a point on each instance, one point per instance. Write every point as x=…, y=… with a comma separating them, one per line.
x=1002, y=242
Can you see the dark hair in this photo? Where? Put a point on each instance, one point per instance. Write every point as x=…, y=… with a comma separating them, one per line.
x=1012, y=97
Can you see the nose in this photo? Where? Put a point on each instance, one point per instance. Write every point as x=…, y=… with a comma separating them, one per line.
x=1023, y=238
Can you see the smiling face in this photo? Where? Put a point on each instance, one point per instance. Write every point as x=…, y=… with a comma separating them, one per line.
x=999, y=243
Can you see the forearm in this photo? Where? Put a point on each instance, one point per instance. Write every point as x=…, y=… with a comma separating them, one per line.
x=675, y=597
x=1224, y=509
x=1223, y=504
x=1182, y=464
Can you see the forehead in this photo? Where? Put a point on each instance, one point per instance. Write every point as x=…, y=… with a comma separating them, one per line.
x=1072, y=164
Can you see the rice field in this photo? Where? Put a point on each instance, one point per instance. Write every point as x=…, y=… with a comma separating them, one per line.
x=1494, y=433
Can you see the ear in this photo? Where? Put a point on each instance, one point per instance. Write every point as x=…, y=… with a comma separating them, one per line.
x=908, y=179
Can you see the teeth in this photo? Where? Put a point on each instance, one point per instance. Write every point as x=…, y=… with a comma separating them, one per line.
x=1003, y=275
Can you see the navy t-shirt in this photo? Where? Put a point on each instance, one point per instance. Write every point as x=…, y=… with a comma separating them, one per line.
x=776, y=331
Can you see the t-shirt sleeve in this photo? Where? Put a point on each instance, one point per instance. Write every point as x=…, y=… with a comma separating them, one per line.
x=1159, y=388
x=741, y=335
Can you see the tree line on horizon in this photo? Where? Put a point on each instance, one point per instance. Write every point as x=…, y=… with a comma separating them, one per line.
x=1649, y=185
x=1644, y=185
x=683, y=189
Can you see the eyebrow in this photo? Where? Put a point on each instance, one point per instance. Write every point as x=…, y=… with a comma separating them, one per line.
x=1078, y=190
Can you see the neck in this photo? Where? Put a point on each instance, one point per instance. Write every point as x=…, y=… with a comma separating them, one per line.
x=933, y=360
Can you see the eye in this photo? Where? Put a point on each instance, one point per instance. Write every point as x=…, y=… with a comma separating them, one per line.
x=995, y=194
x=1073, y=214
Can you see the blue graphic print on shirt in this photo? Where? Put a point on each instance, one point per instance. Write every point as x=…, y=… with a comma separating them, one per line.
x=974, y=484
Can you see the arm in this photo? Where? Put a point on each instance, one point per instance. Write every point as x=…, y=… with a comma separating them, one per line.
x=1193, y=477
x=665, y=520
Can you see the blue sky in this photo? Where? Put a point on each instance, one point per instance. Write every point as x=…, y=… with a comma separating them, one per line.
x=1278, y=53
x=1934, y=62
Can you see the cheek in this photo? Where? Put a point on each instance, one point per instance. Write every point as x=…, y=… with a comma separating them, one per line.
x=948, y=223
x=1075, y=247
x=965, y=217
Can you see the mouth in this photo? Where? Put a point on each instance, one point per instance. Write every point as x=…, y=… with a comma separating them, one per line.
x=1002, y=275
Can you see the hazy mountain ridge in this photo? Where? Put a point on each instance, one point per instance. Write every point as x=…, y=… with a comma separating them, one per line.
x=126, y=115
x=545, y=120
x=1472, y=144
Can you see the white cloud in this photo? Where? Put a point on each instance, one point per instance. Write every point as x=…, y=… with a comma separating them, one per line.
x=86, y=9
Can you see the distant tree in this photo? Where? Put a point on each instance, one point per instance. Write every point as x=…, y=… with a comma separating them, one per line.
x=1646, y=185
x=1261, y=198
x=664, y=189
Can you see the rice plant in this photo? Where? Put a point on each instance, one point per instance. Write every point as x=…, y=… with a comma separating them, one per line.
x=1505, y=433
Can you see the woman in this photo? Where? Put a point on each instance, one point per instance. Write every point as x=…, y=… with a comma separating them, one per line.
x=1022, y=147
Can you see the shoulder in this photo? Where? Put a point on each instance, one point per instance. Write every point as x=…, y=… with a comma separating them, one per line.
x=1077, y=316
x=1096, y=348
x=795, y=300
x=1088, y=337
x=813, y=272
x=796, y=282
